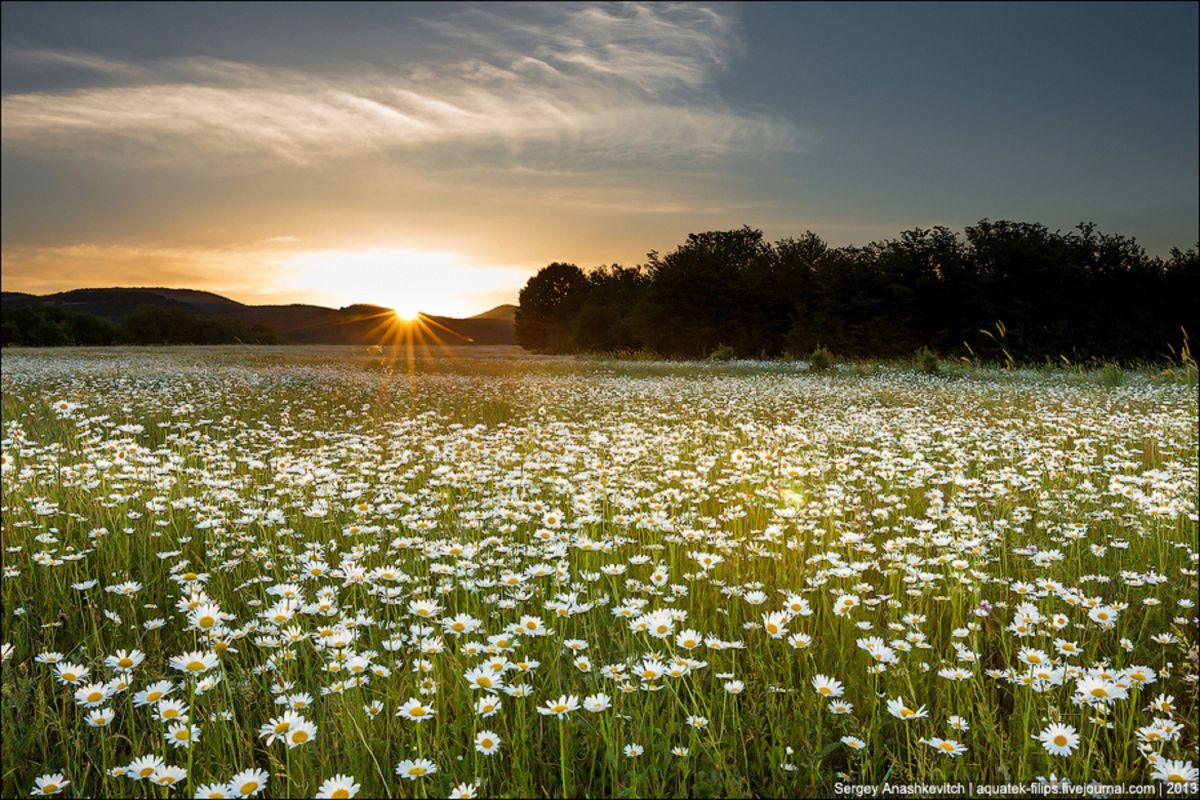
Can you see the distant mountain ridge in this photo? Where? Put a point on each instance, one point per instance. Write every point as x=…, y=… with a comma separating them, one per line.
x=295, y=323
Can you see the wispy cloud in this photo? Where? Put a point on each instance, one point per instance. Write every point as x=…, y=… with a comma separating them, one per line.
x=612, y=81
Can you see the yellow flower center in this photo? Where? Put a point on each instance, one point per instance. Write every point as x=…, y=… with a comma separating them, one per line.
x=299, y=737
x=195, y=666
x=125, y=662
x=416, y=770
x=95, y=696
x=558, y=708
x=248, y=787
x=946, y=746
x=1099, y=691
x=340, y=793
x=1060, y=740
x=825, y=690
x=418, y=712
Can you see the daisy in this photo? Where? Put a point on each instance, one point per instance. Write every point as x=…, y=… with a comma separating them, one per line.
x=249, y=782
x=487, y=742
x=775, y=623
x=948, y=746
x=416, y=710
x=168, y=776
x=215, y=791
x=48, y=784
x=340, y=787
x=91, y=695
x=596, y=703
x=143, y=768
x=278, y=727
x=153, y=693
x=67, y=672
x=561, y=707
x=302, y=731
x=483, y=678
x=411, y=770
x=1171, y=771
x=1058, y=739
x=463, y=791
x=125, y=660
x=827, y=687
x=183, y=735
x=195, y=662
x=171, y=711
x=897, y=709
x=99, y=718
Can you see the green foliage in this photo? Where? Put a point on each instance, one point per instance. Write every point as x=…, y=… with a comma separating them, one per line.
x=821, y=360
x=1004, y=293
x=1111, y=376
x=547, y=304
x=50, y=326
x=723, y=352
x=926, y=361
x=883, y=491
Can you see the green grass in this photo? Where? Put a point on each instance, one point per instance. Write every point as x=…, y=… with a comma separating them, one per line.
x=926, y=497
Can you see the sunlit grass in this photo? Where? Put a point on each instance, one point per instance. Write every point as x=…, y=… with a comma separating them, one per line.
x=772, y=520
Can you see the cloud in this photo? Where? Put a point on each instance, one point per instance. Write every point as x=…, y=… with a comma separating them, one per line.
x=612, y=82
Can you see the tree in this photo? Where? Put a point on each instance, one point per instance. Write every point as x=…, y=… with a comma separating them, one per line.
x=547, y=304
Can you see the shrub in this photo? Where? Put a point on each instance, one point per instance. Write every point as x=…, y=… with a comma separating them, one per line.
x=1111, y=375
x=821, y=360
x=926, y=361
x=723, y=353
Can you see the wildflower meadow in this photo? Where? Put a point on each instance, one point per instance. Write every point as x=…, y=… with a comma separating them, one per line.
x=330, y=572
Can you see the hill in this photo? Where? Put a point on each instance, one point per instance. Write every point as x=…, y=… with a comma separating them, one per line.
x=506, y=312
x=296, y=323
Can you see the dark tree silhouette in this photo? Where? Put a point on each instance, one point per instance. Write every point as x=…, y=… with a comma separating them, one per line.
x=1005, y=290
x=547, y=304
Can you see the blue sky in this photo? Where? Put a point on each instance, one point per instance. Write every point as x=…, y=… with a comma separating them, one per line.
x=440, y=153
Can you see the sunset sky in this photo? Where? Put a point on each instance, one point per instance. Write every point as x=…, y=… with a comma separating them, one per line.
x=434, y=156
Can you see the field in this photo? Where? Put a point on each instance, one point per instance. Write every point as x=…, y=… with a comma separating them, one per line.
x=326, y=571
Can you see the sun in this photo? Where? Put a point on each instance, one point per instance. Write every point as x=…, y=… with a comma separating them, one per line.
x=406, y=313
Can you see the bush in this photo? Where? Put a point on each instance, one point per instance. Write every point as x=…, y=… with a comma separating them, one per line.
x=821, y=360
x=1111, y=375
x=926, y=361
x=723, y=353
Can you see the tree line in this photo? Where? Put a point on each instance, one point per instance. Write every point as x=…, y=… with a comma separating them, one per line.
x=50, y=326
x=1014, y=291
